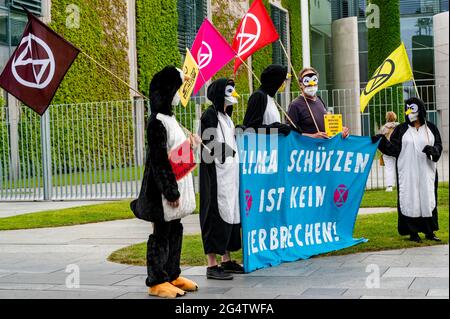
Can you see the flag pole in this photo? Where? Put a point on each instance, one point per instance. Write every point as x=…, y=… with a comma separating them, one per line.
x=299, y=86
x=112, y=74
x=134, y=90
x=259, y=81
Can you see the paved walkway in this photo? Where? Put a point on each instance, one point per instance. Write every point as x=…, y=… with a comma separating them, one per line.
x=8, y=209
x=33, y=264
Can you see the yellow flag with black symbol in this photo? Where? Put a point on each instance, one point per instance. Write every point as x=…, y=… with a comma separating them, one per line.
x=191, y=70
x=394, y=70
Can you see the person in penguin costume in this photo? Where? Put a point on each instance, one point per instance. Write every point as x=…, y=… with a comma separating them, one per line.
x=262, y=113
x=219, y=182
x=163, y=199
x=417, y=147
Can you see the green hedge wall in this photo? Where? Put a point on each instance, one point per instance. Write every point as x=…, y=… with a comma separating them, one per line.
x=295, y=22
x=157, y=38
x=382, y=42
x=102, y=35
x=263, y=57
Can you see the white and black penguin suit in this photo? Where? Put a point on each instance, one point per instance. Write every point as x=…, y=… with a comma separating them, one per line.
x=219, y=176
x=416, y=151
x=164, y=245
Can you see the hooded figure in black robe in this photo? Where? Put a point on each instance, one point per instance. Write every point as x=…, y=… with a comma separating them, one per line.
x=417, y=147
x=219, y=181
x=262, y=112
x=159, y=183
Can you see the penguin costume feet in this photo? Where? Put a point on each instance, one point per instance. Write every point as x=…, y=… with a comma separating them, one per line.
x=185, y=284
x=165, y=290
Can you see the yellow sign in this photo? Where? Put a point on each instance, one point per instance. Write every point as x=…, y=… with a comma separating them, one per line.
x=191, y=69
x=395, y=69
x=333, y=124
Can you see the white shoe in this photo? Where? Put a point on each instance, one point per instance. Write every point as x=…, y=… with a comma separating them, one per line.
x=389, y=189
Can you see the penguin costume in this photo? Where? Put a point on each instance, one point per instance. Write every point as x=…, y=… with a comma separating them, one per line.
x=417, y=147
x=262, y=112
x=219, y=180
x=161, y=192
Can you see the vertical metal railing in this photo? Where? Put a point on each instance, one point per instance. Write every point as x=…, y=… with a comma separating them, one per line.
x=96, y=151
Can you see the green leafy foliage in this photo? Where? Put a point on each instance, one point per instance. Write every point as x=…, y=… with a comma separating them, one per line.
x=382, y=42
x=156, y=38
x=295, y=22
x=102, y=34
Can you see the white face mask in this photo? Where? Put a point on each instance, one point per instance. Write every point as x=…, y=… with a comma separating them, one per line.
x=413, y=117
x=311, y=90
x=176, y=99
x=230, y=100
x=230, y=96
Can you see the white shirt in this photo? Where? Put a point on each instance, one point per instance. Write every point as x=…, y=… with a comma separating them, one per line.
x=271, y=115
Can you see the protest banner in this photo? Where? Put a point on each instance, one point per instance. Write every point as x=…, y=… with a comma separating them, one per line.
x=300, y=196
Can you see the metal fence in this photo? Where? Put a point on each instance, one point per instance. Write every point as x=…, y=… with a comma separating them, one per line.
x=95, y=151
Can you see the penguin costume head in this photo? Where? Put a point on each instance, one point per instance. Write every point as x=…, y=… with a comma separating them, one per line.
x=164, y=90
x=273, y=78
x=222, y=93
x=415, y=110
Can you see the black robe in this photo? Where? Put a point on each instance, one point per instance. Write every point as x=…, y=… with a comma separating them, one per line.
x=218, y=236
x=271, y=80
x=409, y=225
x=158, y=174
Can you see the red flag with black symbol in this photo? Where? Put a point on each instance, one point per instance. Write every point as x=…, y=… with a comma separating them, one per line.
x=255, y=31
x=38, y=65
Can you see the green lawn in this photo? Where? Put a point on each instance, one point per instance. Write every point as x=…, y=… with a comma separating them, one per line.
x=381, y=198
x=70, y=216
x=121, y=210
x=380, y=229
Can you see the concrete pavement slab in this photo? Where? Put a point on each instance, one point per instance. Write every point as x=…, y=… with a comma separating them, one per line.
x=438, y=293
x=430, y=283
x=432, y=272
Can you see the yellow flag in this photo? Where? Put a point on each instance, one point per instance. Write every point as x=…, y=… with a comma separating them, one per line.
x=191, y=69
x=395, y=69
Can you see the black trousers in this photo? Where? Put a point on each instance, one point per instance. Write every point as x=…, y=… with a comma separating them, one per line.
x=164, y=252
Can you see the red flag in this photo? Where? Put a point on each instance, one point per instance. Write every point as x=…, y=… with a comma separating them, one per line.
x=255, y=31
x=38, y=65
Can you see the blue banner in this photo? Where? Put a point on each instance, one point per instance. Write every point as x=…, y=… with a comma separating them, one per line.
x=300, y=196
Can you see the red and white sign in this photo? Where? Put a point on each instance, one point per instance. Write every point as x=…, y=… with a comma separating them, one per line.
x=255, y=31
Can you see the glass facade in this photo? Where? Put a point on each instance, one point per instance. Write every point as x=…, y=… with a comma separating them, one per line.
x=416, y=32
x=12, y=24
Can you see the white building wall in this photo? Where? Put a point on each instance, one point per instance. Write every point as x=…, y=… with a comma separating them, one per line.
x=441, y=32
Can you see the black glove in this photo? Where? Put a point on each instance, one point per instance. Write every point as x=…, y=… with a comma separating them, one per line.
x=297, y=129
x=431, y=152
x=284, y=129
x=376, y=138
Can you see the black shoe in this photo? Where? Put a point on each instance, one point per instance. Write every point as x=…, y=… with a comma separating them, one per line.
x=232, y=267
x=432, y=237
x=217, y=273
x=415, y=237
